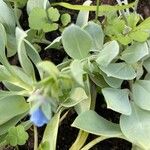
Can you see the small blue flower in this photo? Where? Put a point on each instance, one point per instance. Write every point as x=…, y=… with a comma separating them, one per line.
x=38, y=118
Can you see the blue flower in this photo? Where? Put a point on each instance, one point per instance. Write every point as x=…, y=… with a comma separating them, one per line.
x=38, y=118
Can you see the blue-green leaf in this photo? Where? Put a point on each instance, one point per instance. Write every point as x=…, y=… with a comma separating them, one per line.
x=117, y=100
x=91, y=122
x=72, y=39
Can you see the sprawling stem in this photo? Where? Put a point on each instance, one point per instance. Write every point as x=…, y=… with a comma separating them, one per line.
x=97, y=11
x=35, y=138
x=94, y=142
x=122, y=12
x=136, y=5
x=82, y=136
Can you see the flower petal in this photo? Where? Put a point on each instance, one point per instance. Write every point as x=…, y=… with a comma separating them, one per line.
x=38, y=118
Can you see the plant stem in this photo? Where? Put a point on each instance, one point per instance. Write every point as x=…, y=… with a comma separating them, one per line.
x=82, y=136
x=43, y=41
x=136, y=5
x=64, y=116
x=94, y=142
x=97, y=11
x=126, y=3
x=93, y=95
x=35, y=138
x=122, y=12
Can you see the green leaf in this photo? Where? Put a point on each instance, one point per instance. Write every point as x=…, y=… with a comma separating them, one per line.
x=37, y=18
x=141, y=93
x=50, y=133
x=76, y=96
x=21, y=3
x=91, y=122
x=146, y=64
x=44, y=146
x=48, y=27
x=108, y=53
x=31, y=4
x=115, y=27
x=5, y=75
x=32, y=53
x=117, y=100
x=135, y=52
x=11, y=44
x=139, y=36
x=133, y=19
x=111, y=81
x=73, y=43
x=47, y=67
x=53, y=14
x=22, y=54
x=12, y=122
x=83, y=16
x=24, y=82
x=7, y=18
x=77, y=72
x=86, y=104
x=98, y=80
x=3, y=142
x=135, y=147
x=56, y=44
x=17, y=136
x=3, y=41
x=119, y=70
x=136, y=127
x=16, y=106
x=4, y=94
x=124, y=39
x=96, y=33
x=65, y=19
x=145, y=25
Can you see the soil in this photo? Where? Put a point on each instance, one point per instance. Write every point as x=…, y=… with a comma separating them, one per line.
x=66, y=134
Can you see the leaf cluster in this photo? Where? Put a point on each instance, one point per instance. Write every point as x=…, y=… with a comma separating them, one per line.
x=100, y=59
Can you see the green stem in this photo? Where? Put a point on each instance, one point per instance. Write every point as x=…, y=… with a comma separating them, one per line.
x=94, y=142
x=103, y=8
x=43, y=41
x=81, y=139
x=122, y=12
x=35, y=138
x=136, y=5
x=93, y=95
x=17, y=148
x=63, y=117
x=97, y=11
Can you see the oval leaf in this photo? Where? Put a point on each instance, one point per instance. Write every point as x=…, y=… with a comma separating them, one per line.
x=76, y=96
x=16, y=106
x=97, y=35
x=136, y=127
x=77, y=71
x=108, y=53
x=83, y=16
x=141, y=94
x=119, y=70
x=73, y=38
x=91, y=122
x=135, y=52
x=117, y=100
